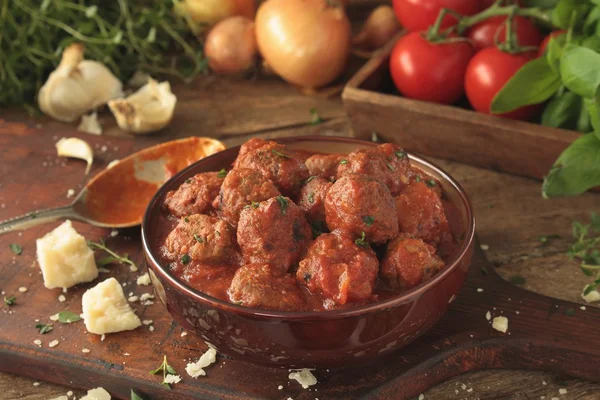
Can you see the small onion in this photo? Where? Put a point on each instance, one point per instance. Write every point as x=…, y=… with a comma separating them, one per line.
x=231, y=46
x=200, y=13
x=306, y=42
x=379, y=28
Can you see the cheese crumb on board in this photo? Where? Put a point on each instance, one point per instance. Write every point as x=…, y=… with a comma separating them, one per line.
x=96, y=394
x=591, y=297
x=37, y=342
x=183, y=334
x=65, y=258
x=105, y=309
x=280, y=387
x=500, y=324
x=143, y=280
x=84, y=350
x=488, y=315
x=53, y=343
x=36, y=384
x=69, y=393
x=22, y=289
x=562, y=391
x=421, y=396
x=196, y=369
x=304, y=377
x=133, y=299
x=54, y=317
x=172, y=379
x=62, y=298
x=70, y=193
x=146, y=296
x=147, y=322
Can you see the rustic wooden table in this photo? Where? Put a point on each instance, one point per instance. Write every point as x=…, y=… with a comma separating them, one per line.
x=511, y=215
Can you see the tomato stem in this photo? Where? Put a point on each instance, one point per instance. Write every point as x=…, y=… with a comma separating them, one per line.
x=496, y=9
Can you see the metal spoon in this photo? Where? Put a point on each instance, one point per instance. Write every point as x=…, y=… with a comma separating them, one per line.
x=117, y=197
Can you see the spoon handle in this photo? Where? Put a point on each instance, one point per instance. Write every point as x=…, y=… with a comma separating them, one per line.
x=37, y=218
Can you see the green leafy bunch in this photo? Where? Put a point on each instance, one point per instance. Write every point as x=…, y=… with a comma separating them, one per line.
x=124, y=35
x=586, y=249
x=568, y=77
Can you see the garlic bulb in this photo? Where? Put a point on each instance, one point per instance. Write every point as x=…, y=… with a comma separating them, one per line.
x=147, y=110
x=77, y=86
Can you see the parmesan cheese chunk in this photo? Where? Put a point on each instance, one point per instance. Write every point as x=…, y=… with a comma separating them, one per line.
x=143, y=279
x=105, y=309
x=500, y=324
x=96, y=394
x=196, y=369
x=65, y=258
x=591, y=297
x=304, y=377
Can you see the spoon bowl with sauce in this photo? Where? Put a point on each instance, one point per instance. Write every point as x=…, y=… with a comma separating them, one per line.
x=118, y=196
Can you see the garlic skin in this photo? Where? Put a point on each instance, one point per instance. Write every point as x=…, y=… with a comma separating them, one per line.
x=147, y=110
x=77, y=86
x=90, y=124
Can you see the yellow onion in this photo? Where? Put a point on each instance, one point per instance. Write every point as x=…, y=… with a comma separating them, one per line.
x=202, y=13
x=306, y=42
x=379, y=28
x=231, y=46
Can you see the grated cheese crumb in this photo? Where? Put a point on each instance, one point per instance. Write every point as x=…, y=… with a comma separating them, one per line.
x=96, y=394
x=102, y=337
x=562, y=391
x=38, y=342
x=479, y=290
x=147, y=322
x=114, y=233
x=151, y=328
x=84, y=350
x=280, y=387
x=54, y=317
x=484, y=247
x=146, y=296
x=500, y=324
x=22, y=289
x=69, y=393
x=133, y=299
x=303, y=377
x=488, y=315
x=172, y=379
x=70, y=193
x=53, y=343
x=143, y=280
x=183, y=334
x=421, y=396
x=36, y=384
x=62, y=298
x=197, y=369
x=89, y=124
x=582, y=308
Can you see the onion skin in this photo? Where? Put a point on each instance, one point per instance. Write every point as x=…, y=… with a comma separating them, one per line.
x=306, y=42
x=245, y=8
x=209, y=12
x=231, y=46
x=379, y=28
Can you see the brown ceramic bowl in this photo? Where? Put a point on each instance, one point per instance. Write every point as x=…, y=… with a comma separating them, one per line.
x=311, y=339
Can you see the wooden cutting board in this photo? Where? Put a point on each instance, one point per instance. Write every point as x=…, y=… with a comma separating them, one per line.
x=544, y=333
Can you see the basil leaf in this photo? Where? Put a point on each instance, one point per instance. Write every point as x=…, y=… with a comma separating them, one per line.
x=592, y=43
x=579, y=70
x=562, y=111
x=590, y=25
x=68, y=317
x=534, y=83
x=135, y=396
x=562, y=13
x=541, y=3
x=584, y=125
x=554, y=51
x=576, y=170
x=593, y=109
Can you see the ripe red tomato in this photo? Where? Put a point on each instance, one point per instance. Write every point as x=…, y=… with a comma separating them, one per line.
x=544, y=44
x=428, y=71
x=484, y=33
x=487, y=73
x=418, y=15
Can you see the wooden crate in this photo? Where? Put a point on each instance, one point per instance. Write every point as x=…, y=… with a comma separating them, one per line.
x=450, y=132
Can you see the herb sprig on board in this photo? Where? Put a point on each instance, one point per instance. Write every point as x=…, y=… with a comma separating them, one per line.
x=125, y=36
x=586, y=249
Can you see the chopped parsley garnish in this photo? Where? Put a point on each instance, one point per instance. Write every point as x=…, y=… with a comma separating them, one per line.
x=114, y=257
x=545, y=239
x=68, y=317
x=400, y=154
x=217, y=233
x=198, y=238
x=418, y=178
x=10, y=300
x=222, y=173
x=186, y=219
x=310, y=178
x=344, y=162
x=239, y=303
x=311, y=197
x=374, y=137
x=586, y=249
x=368, y=220
x=283, y=203
x=16, y=248
x=166, y=369
x=431, y=183
x=362, y=241
x=43, y=328
x=307, y=277
x=277, y=153
x=390, y=167
x=569, y=312
x=185, y=259
x=517, y=280
x=254, y=204
x=188, y=180
x=315, y=119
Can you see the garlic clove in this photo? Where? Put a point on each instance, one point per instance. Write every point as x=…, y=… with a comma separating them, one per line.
x=90, y=124
x=77, y=86
x=147, y=110
x=76, y=148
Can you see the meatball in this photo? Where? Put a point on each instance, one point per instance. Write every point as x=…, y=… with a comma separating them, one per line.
x=278, y=164
x=408, y=262
x=312, y=198
x=240, y=188
x=387, y=162
x=338, y=269
x=274, y=231
x=363, y=206
x=195, y=195
x=248, y=147
x=203, y=239
x=324, y=165
x=416, y=175
x=265, y=286
x=421, y=213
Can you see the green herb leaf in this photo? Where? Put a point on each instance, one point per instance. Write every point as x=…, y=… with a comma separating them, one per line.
x=362, y=241
x=185, y=259
x=186, y=219
x=400, y=154
x=344, y=162
x=68, y=317
x=277, y=153
x=390, y=167
x=517, y=280
x=579, y=70
x=576, y=170
x=593, y=109
x=374, y=137
x=565, y=9
x=569, y=312
x=418, y=178
x=310, y=178
x=534, y=83
x=198, y=238
x=311, y=197
x=135, y=396
x=547, y=238
x=107, y=261
x=563, y=110
x=315, y=119
x=10, y=300
x=43, y=328
x=283, y=204
x=17, y=249
x=222, y=173
x=188, y=180
x=124, y=259
x=368, y=220
x=554, y=51
x=431, y=182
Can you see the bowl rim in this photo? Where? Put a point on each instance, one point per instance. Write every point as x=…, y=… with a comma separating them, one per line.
x=403, y=298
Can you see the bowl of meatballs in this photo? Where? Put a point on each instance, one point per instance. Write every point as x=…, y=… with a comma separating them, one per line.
x=309, y=251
